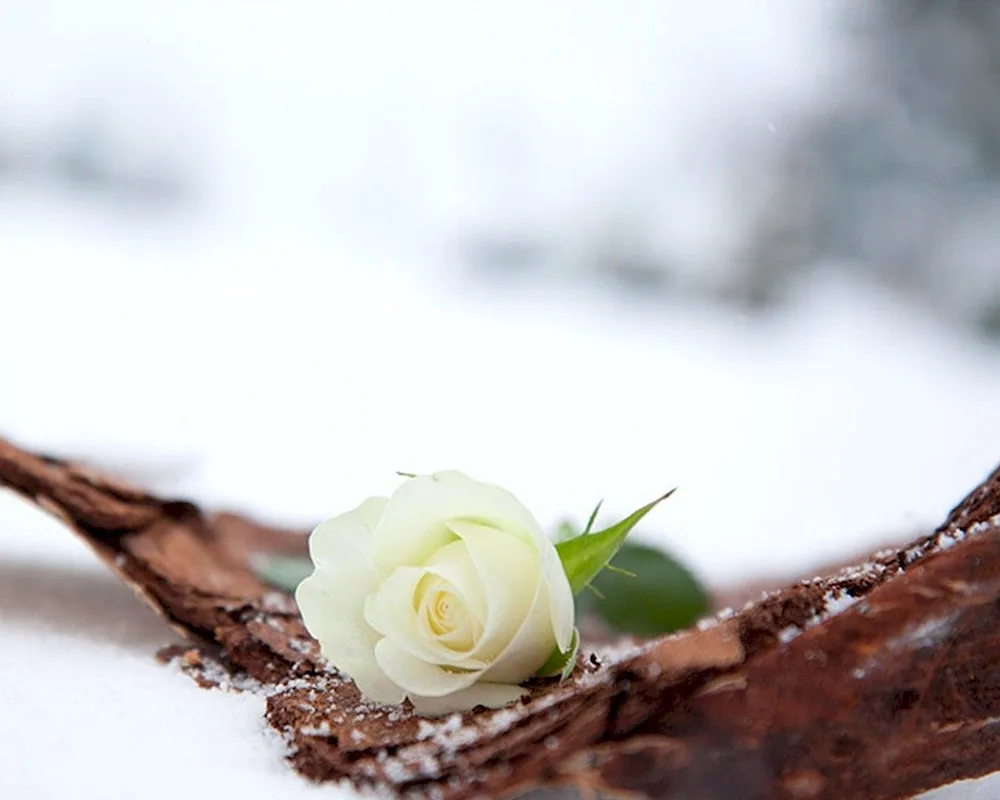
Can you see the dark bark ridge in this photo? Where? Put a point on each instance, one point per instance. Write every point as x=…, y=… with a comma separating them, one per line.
x=879, y=681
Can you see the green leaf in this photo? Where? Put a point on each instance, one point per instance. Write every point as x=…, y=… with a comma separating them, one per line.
x=662, y=597
x=560, y=663
x=584, y=556
x=283, y=572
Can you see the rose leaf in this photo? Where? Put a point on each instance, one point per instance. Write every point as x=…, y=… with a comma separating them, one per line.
x=661, y=596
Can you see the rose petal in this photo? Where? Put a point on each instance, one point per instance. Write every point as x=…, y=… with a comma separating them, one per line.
x=413, y=525
x=507, y=568
x=346, y=538
x=332, y=606
x=562, y=612
x=529, y=648
x=332, y=599
x=491, y=695
x=453, y=563
x=452, y=625
x=416, y=676
x=391, y=611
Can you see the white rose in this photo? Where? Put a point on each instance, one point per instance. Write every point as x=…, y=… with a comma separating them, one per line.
x=447, y=593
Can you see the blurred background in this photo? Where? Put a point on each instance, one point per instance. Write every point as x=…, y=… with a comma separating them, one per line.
x=265, y=254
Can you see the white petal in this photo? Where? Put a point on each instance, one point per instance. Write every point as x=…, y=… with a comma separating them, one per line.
x=530, y=647
x=491, y=695
x=418, y=677
x=391, y=611
x=332, y=606
x=370, y=511
x=345, y=539
x=453, y=563
x=507, y=568
x=413, y=525
x=562, y=612
x=444, y=616
x=332, y=599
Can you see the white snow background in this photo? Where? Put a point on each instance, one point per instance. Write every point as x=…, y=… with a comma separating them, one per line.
x=300, y=329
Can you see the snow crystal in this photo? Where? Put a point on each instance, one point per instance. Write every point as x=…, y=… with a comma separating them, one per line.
x=985, y=525
x=720, y=616
x=834, y=602
x=303, y=646
x=278, y=603
x=321, y=730
x=948, y=540
x=928, y=633
x=450, y=735
x=789, y=633
x=504, y=719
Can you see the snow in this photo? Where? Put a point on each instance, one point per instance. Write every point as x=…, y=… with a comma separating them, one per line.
x=87, y=710
x=246, y=355
x=983, y=789
x=835, y=602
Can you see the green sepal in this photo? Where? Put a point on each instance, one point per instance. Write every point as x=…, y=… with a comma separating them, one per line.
x=584, y=556
x=561, y=663
x=283, y=572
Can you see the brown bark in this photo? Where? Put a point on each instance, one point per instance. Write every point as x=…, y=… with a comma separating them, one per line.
x=877, y=682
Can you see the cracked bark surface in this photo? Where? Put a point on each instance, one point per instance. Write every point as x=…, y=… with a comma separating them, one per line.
x=879, y=681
